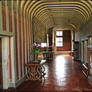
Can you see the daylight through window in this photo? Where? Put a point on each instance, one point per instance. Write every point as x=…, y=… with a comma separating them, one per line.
x=59, y=38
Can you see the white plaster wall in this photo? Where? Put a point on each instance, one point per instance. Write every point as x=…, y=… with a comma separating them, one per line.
x=5, y=61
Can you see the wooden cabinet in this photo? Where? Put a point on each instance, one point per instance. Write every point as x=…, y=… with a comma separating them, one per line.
x=76, y=50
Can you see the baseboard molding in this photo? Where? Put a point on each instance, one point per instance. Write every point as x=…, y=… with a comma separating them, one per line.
x=19, y=82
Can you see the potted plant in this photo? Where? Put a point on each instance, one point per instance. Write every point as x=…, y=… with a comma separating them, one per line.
x=36, y=51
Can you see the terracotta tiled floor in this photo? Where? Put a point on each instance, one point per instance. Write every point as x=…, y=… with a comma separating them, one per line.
x=62, y=75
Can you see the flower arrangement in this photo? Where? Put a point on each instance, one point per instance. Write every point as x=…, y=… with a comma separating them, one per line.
x=36, y=51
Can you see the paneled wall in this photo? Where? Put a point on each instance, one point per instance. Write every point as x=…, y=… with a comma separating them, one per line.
x=16, y=26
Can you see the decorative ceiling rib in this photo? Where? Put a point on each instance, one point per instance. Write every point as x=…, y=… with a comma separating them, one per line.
x=58, y=12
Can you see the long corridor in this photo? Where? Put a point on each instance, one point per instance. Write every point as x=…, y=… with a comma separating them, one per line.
x=62, y=75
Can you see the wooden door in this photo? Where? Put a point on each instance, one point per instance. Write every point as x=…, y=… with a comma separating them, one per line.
x=0, y=63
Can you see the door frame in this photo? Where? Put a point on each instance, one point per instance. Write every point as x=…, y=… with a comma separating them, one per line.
x=1, y=85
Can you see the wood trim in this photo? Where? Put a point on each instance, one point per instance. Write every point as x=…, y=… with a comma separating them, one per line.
x=4, y=16
x=1, y=77
x=10, y=61
x=87, y=50
x=83, y=50
x=21, y=60
x=29, y=37
x=10, y=19
x=24, y=40
x=17, y=48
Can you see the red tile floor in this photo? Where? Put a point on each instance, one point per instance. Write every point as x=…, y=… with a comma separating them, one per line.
x=62, y=75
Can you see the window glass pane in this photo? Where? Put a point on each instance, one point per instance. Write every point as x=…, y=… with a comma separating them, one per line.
x=61, y=44
x=59, y=41
x=59, y=33
x=57, y=44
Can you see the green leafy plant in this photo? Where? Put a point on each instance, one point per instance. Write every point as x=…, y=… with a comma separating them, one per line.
x=35, y=51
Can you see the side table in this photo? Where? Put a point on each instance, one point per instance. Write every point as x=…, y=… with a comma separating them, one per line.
x=35, y=71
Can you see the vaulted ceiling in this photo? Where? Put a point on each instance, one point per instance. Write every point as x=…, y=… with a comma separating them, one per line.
x=64, y=13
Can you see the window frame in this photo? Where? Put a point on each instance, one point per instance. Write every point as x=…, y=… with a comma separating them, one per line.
x=60, y=37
